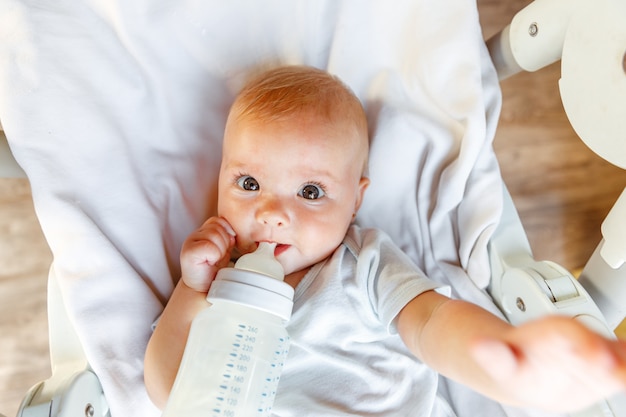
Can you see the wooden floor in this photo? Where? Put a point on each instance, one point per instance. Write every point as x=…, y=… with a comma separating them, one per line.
x=24, y=261
x=562, y=190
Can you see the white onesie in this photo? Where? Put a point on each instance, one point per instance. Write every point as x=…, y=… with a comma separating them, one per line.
x=346, y=357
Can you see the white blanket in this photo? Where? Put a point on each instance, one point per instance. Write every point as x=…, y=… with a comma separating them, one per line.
x=115, y=110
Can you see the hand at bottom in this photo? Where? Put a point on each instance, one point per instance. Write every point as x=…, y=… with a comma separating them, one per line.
x=555, y=363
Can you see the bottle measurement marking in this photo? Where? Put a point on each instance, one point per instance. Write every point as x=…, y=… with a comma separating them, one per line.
x=249, y=356
x=236, y=370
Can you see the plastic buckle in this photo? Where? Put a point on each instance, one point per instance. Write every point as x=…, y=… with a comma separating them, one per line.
x=79, y=395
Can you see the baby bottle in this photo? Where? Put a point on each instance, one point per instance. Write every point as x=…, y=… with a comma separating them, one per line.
x=237, y=346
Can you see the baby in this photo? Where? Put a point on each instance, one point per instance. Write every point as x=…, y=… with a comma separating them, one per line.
x=369, y=330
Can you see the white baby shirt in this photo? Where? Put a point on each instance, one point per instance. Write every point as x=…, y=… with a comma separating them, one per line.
x=346, y=357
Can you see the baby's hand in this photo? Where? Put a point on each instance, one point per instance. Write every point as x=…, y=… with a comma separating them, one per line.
x=555, y=363
x=206, y=251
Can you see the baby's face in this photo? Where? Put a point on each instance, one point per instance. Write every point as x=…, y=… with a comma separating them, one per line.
x=297, y=184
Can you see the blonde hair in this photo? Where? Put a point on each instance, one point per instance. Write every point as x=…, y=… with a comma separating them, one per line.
x=282, y=94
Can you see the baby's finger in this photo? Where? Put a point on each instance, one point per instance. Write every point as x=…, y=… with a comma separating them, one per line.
x=215, y=229
x=224, y=223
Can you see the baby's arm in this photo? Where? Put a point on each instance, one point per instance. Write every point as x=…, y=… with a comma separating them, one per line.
x=204, y=252
x=554, y=363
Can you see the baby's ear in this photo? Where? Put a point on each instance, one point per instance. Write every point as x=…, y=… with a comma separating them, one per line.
x=364, y=182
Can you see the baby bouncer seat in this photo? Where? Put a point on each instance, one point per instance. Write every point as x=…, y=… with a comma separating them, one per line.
x=115, y=112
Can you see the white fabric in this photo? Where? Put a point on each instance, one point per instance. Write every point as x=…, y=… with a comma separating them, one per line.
x=115, y=110
x=345, y=356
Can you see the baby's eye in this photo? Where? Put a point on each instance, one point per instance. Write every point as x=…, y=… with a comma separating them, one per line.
x=248, y=183
x=311, y=192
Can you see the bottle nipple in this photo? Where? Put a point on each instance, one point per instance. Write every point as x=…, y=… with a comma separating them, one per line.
x=262, y=260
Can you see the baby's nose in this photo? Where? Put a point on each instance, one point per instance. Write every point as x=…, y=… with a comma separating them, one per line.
x=272, y=213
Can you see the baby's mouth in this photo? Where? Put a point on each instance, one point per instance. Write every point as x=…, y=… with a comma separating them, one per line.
x=280, y=248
